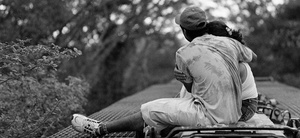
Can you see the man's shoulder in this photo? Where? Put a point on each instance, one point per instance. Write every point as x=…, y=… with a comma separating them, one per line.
x=211, y=38
x=222, y=38
x=228, y=40
x=182, y=48
x=188, y=50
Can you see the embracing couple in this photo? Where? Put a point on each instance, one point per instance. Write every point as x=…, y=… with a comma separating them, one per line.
x=218, y=85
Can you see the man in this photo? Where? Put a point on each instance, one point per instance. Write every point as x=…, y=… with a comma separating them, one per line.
x=213, y=80
x=211, y=66
x=249, y=91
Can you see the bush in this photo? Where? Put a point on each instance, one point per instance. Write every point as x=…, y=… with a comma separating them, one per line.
x=33, y=103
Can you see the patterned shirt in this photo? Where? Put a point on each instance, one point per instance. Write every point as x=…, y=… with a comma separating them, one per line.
x=211, y=64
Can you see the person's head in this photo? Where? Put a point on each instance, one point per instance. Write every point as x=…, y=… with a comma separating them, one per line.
x=193, y=22
x=219, y=28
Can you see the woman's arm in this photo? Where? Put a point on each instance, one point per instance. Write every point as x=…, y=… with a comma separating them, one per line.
x=243, y=72
x=180, y=76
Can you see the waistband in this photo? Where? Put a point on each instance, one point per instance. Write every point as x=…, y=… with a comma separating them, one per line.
x=251, y=100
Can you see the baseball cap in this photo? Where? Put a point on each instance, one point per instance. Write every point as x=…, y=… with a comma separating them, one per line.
x=192, y=18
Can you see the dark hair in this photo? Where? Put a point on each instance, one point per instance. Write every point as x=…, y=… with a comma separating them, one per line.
x=219, y=28
x=195, y=33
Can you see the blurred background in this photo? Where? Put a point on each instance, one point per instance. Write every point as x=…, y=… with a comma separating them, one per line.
x=60, y=57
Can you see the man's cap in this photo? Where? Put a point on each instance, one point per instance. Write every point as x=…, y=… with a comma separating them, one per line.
x=192, y=18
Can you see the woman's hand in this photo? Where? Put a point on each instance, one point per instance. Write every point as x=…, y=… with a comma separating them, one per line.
x=179, y=75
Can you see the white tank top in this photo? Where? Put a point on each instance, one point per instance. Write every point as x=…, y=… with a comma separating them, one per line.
x=249, y=87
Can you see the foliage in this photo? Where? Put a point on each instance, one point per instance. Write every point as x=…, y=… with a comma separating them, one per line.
x=32, y=19
x=273, y=33
x=283, y=42
x=33, y=102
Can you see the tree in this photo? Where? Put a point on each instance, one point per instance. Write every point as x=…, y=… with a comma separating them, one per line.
x=32, y=19
x=272, y=32
x=126, y=38
x=33, y=102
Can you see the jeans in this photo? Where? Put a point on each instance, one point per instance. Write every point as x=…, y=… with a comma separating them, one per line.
x=249, y=107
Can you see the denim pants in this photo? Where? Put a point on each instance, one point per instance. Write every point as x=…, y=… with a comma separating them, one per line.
x=249, y=107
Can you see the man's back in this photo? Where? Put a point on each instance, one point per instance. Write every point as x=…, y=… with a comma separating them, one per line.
x=212, y=62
